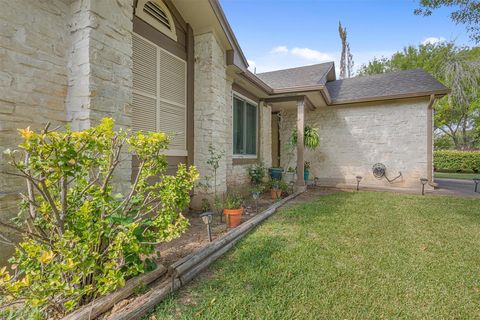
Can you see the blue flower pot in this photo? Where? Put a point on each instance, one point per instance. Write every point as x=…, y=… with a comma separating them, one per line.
x=276, y=173
x=306, y=174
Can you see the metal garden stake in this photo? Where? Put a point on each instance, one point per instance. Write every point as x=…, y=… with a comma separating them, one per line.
x=424, y=182
x=359, y=178
x=476, y=180
x=207, y=219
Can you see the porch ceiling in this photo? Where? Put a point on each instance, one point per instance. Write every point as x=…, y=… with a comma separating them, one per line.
x=314, y=99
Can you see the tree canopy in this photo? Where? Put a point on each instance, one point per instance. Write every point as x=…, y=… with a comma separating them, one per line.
x=465, y=12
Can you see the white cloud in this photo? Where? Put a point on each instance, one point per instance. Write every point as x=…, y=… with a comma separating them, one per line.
x=310, y=54
x=279, y=49
x=433, y=40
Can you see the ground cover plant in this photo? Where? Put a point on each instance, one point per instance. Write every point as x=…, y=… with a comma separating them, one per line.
x=80, y=237
x=347, y=256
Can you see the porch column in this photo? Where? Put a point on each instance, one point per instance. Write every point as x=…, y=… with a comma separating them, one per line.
x=300, y=144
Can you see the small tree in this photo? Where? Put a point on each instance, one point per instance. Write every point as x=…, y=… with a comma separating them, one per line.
x=80, y=239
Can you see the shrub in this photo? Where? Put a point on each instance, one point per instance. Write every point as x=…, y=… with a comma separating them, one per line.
x=257, y=173
x=454, y=160
x=81, y=240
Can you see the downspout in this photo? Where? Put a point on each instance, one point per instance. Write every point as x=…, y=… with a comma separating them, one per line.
x=430, y=175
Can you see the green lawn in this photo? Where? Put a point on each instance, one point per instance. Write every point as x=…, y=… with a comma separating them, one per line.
x=456, y=175
x=347, y=256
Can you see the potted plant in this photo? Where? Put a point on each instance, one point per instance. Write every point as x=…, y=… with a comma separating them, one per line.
x=311, y=139
x=232, y=209
x=289, y=175
x=275, y=173
x=276, y=188
x=306, y=170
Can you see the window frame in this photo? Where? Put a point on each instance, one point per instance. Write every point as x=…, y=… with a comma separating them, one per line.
x=257, y=126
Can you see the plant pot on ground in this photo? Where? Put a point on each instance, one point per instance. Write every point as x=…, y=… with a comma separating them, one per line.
x=275, y=173
x=232, y=209
x=306, y=171
x=289, y=175
x=276, y=188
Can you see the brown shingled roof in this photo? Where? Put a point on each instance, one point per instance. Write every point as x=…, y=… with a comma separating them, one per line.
x=387, y=85
x=297, y=77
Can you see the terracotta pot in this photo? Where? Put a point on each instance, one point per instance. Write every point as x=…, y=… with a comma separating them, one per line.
x=276, y=193
x=233, y=217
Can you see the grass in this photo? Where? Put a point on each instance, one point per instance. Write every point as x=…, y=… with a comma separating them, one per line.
x=347, y=256
x=456, y=175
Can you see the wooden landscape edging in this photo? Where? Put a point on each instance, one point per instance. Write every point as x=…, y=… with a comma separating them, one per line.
x=185, y=269
x=179, y=273
x=103, y=304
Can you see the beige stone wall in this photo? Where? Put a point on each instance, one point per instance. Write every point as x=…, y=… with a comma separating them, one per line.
x=62, y=61
x=355, y=137
x=33, y=80
x=211, y=95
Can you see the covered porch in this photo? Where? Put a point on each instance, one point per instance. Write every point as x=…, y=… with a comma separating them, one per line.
x=299, y=104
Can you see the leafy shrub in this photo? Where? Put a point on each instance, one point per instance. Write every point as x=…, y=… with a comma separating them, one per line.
x=454, y=160
x=81, y=239
x=257, y=173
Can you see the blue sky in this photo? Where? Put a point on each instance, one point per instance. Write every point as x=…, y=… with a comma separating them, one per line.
x=276, y=34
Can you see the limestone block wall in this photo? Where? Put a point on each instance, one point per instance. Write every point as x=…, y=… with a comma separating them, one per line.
x=355, y=137
x=211, y=95
x=100, y=69
x=62, y=61
x=33, y=80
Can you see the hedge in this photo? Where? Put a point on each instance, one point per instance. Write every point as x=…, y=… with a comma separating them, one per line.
x=457, y=161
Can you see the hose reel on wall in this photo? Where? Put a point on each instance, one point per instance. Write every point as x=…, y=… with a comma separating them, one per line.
x=380, y=171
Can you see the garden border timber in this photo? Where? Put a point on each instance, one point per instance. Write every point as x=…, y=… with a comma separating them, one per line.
x=103, y=304
x=196, y=262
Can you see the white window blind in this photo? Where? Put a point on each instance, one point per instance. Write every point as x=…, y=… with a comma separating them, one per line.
x=159, y=93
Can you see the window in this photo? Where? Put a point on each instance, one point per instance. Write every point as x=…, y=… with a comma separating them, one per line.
x=159, y=93
x=244, y=127
x=156, y=14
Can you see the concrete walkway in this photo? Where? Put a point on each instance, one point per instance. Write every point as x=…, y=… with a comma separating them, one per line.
x=456, y=187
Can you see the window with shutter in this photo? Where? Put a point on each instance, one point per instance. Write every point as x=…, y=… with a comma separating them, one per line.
x=160, y=93
x=156, y=14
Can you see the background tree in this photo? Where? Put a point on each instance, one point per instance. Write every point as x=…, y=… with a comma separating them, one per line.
x=467, y=12
x=458, y=115
x=346, y=57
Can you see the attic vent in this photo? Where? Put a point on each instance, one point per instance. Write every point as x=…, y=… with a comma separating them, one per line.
x=156, y=14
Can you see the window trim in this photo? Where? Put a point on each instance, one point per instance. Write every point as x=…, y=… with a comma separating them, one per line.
x=237, y=95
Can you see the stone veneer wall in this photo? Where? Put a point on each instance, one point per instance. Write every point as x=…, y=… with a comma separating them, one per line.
x=62, y=61
x=33, y=80
x=211, y=125
x=355, y=137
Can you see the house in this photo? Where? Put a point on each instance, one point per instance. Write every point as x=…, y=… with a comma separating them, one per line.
x=176, y=66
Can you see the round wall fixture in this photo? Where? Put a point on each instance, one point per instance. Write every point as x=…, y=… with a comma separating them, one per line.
x=379, y=170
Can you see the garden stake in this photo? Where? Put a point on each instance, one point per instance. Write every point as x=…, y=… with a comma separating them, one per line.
x=424, y=182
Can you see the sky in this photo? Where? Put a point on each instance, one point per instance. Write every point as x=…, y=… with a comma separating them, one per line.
x=279, y=34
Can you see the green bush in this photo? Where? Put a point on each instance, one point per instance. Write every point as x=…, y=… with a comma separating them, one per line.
x=81, y=239
x=456, y=161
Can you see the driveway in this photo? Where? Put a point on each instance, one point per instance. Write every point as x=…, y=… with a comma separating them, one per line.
x=456, y=187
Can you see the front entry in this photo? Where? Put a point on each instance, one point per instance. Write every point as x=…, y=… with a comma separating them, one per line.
x=275, y=140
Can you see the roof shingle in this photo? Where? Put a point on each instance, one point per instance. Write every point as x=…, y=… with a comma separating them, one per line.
x=409, y=82
x=297, y=77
